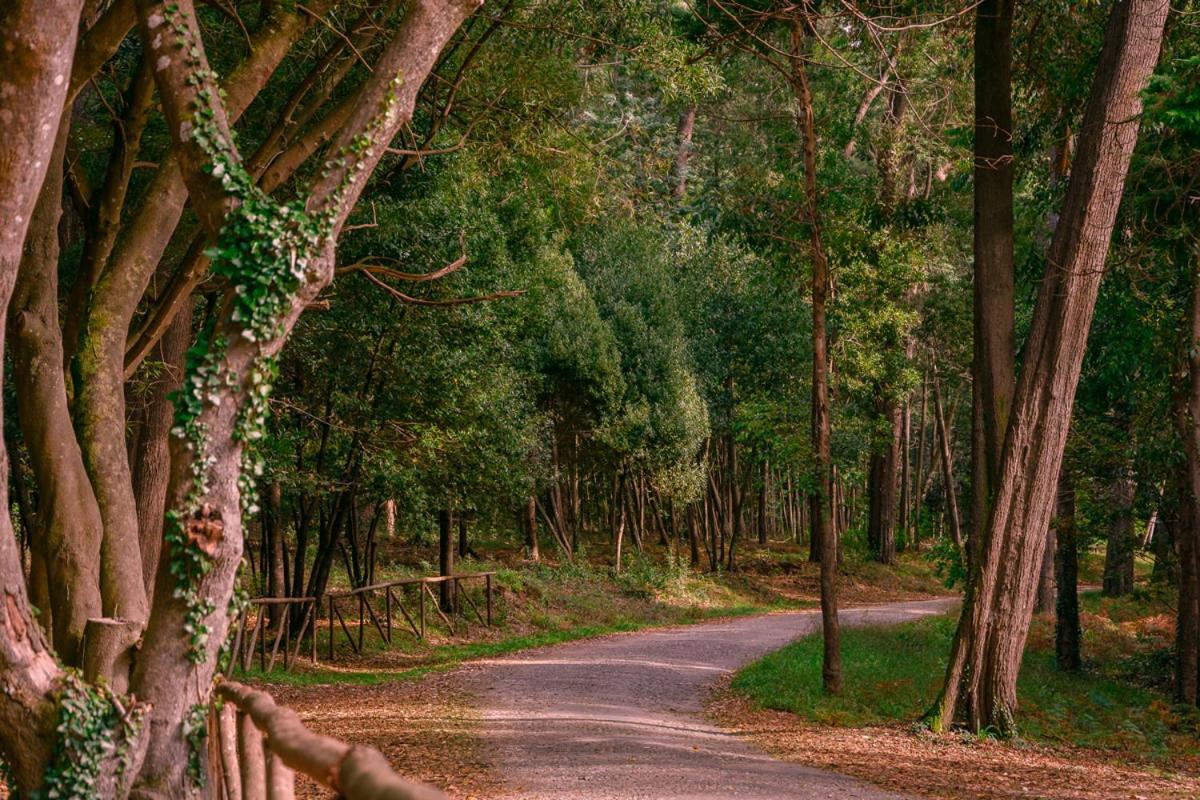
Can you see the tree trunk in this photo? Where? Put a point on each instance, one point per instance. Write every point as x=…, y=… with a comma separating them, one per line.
x=1118, y=554
x=904, y=520
x=41, y=43
x=152, y=461
x=881, y=525
x=822, y=520
x=951, y=489
x=1046, y=596
x=994, y=349
x=69, y=529
x=683, y=151
x=1187, y=536
x=1067, y=635
x=981, y=678
x=531, y=540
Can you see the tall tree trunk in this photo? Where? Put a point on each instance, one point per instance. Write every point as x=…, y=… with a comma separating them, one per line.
x=994, y=348
x=69, y=527
x=763, y=490
x=918, y=498
x=884, y=477
x=951, y=488
x=1118, y=554
x=822, y=520
x=152, y=461
x=1067, y=634
x=904, y=520
x=1187, y=536
x=981, y=678
x=39, y=45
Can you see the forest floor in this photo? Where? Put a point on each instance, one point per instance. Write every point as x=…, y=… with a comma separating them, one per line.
x=1109, y=732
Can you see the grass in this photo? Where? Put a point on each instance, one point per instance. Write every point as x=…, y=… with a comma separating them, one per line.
x=893, y=675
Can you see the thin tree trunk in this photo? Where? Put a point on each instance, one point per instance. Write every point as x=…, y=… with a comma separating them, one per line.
x=531, y=527
x=822, y=522
x=1067, y=635
x=446, y=558
x=951, y=489
x=683, y=151
x=1118, y=554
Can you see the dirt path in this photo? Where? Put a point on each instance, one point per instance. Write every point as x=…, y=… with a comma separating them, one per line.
x=620, y=717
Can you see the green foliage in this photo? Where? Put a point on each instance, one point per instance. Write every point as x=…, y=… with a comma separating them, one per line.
x=195, y=733
x=94, y=732
x=948, y=564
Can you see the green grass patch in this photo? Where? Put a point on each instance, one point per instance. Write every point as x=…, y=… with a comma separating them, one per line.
x=893, y=675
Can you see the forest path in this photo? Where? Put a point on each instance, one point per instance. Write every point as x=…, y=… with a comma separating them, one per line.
x=620, y=717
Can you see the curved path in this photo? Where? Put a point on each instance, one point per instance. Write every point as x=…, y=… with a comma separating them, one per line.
x=619, y=717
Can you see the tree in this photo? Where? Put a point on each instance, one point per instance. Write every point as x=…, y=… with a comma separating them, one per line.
x=980, y=689
x=994, y=365
x=820, y=499
x=274, y=259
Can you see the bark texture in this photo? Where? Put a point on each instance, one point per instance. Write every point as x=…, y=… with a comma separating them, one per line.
x=37, y=41
x=994, y=348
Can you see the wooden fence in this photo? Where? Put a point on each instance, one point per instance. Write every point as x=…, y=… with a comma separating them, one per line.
x=257, y=614
x=377, y=606
x=256, y=748
x=395, y=596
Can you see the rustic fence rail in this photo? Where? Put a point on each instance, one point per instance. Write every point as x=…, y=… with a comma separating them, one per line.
x=256, y=748
x=395, y=597
x=381, y=606
x=299, y=613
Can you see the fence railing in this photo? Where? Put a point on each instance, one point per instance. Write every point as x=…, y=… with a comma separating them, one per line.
x=256, y=748
x=257, y=613
x=396, y=597
x=380, y=606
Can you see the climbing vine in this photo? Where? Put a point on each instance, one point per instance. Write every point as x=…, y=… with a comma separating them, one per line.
x=195, y=732
x=94, y=728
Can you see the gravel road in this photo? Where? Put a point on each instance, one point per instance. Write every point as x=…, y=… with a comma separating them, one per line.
x=620, y=717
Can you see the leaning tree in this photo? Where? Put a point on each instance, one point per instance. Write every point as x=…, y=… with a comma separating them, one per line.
x=111, y=700
x=981, y=680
